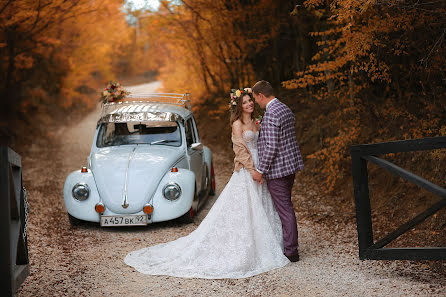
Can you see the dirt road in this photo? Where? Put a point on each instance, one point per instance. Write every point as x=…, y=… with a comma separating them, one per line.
x=88, y=260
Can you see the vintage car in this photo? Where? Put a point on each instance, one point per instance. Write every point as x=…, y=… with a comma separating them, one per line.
x=146, y=165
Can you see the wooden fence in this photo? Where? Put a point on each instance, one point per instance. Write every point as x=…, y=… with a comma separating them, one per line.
x=361, y=154
x=14, y=262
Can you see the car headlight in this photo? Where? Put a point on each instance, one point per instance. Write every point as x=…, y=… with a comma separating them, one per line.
x=172, y=191
x=81, y=192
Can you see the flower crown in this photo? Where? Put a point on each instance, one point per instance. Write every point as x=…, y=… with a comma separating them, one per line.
x=235, y=93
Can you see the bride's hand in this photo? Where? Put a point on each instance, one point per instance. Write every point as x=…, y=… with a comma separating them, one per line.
x=257, y=176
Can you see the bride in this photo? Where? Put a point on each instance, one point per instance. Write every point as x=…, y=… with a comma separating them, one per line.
x=242, y=234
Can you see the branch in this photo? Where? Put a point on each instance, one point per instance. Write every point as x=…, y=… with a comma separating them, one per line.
x=39, y=8
x=4, y=6
x=436, y=45
x=60, y=20
x=196, y=12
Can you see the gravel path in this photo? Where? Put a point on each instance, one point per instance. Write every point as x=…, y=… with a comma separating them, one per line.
x=88, y=260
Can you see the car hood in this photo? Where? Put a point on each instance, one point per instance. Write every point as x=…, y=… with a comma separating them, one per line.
x=146, y=165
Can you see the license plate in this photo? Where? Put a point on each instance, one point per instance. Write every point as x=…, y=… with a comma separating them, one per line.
x=127, y=220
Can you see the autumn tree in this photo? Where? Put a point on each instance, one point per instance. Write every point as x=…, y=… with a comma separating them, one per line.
x=57, y=49
x=380, y=65
x=212, y=46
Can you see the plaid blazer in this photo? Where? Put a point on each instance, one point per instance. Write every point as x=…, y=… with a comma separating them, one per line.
x=277, y=146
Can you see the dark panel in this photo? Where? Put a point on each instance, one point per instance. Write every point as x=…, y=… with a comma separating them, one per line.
x=14, y=158
x=14, y=262
x=5, y=259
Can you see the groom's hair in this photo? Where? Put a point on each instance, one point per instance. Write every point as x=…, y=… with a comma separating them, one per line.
x=263, y=87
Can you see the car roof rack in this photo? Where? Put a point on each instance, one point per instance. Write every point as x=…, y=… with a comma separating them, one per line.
x=167, y=98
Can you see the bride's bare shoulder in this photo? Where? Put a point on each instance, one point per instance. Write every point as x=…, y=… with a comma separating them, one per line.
x=237, y=123
x=237, y=128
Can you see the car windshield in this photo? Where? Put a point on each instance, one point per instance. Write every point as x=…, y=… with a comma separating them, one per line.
x=154, y=133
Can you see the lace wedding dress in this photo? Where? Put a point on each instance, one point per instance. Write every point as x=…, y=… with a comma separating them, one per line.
x=240, y=237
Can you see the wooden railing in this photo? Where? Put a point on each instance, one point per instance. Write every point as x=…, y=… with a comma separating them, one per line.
x=14, y=262
x=361, y=154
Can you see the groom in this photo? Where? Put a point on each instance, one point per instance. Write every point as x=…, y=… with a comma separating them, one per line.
x=279, y=159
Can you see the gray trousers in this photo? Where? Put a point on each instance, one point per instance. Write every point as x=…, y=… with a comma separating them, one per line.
x=280, y=189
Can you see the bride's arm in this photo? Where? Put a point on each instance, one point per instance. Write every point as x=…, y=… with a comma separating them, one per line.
x=237, y=129
x=243, y=156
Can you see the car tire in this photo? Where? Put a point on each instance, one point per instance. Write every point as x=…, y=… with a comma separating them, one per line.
x=74, y=221
x=188, y=217
x=212, y=181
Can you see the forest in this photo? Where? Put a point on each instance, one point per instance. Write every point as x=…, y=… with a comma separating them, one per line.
x=353, y=71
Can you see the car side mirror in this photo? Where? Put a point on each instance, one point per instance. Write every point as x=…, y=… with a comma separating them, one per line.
x=197, y=146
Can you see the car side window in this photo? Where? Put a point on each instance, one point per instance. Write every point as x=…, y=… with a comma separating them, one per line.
x=195, y=130
x=189, y=130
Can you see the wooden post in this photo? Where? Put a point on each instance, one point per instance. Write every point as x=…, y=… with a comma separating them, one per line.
x=5, y=259
x=362, y=202
x=14, y=262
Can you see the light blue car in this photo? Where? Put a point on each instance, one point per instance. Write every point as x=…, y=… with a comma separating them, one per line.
x=146, y=165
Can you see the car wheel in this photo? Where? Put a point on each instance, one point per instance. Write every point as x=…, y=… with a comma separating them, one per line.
x=212, y=190
x=74, y=221
x=188, y=217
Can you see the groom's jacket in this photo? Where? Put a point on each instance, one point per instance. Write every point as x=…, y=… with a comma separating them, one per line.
x=278, y=150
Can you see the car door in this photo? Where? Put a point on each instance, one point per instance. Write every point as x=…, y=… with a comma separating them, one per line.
x=194, y=151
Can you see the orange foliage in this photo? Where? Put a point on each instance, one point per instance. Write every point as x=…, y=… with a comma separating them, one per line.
x=380, y=65
x=208, y=45
x=56, y=48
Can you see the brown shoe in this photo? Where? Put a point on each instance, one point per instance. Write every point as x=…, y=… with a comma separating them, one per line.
x=293, y=258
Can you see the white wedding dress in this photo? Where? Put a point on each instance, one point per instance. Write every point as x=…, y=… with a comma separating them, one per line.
x=240, y=237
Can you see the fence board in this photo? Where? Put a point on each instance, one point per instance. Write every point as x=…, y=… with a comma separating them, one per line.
x=367, y=152
x=14, y=262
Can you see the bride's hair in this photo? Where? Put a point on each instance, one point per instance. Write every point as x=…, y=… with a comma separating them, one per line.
x=237, y=110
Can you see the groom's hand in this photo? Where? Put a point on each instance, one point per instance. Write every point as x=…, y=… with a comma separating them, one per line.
x=257, y=176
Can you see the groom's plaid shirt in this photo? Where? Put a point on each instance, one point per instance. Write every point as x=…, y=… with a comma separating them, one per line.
x=278, y=150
